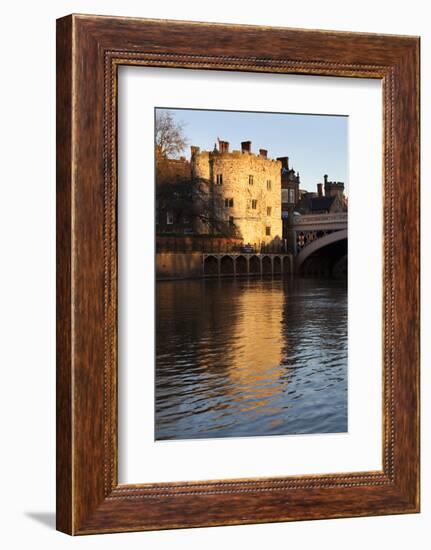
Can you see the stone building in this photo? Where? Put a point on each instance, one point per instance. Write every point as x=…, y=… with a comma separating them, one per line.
x=171, y=171
x=332, y=201
x=244, y=188
x=168, y=169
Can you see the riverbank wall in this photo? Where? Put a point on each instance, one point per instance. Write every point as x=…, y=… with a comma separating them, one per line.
x=190, y=265
x=178, y=265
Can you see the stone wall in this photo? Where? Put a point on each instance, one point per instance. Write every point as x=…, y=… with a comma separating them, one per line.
x=197, y=243
x=176, y=265
x=169, y=170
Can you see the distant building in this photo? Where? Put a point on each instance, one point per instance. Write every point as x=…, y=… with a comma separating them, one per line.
x=318, y=203
x=302, y=192
x=290, y=193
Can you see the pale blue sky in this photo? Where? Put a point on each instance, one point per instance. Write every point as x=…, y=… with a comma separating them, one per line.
x=315, y=144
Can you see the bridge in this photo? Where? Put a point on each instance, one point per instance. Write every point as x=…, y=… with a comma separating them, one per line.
x=320, y=244
x=319, y=249
x=246, y=264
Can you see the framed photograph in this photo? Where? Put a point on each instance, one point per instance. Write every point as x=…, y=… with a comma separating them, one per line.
x=237, y=274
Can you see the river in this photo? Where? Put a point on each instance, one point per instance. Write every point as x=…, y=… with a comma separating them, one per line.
x=250, y=357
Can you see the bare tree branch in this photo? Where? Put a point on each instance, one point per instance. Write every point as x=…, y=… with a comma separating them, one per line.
x=169, y=134
x=190, y=198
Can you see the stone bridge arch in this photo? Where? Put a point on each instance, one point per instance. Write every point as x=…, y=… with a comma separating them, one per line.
x=227, y=265
x=316, y=245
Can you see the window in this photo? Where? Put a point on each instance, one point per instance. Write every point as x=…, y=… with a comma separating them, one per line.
x=250, y=180
x=268, y=185
x=169, y=218
x=254, y=204
x=291, y=195
x=268, y=210
x=268, y=230
x=228, y=203
x=219, y=179
x=231, y=220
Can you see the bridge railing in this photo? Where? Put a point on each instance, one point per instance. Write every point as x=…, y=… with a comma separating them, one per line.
x=308, y=219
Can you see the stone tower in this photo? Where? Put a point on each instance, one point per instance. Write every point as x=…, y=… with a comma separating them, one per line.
x=333, y=188
x=245, y=189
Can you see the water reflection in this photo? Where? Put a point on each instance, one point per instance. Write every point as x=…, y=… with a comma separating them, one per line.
x=250, y=357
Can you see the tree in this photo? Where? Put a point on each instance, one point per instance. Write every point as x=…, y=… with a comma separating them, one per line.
x=170, y=138
x=190, y=198
x=177, y=190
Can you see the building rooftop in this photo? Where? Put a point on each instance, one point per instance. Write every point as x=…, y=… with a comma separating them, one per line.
x=315, y=204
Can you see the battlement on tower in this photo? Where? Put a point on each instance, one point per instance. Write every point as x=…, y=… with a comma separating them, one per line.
x=222, y=152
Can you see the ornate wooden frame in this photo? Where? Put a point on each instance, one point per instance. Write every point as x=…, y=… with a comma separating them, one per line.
x=89, y=51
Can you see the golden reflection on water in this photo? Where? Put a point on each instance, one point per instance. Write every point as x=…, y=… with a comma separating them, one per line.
x=250, y=357
x=257, y=350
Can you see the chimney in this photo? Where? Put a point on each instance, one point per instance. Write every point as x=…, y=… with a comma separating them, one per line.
x=246, y=146
x=327, y=186
x=223, y=146
x=263, y=153
x=319, y=190
x=284, y=162
x=194, y=150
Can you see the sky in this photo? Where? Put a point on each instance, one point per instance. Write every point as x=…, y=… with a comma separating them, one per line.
x=315, y=144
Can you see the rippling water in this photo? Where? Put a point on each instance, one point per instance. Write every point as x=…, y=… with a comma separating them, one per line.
x=250, y=357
